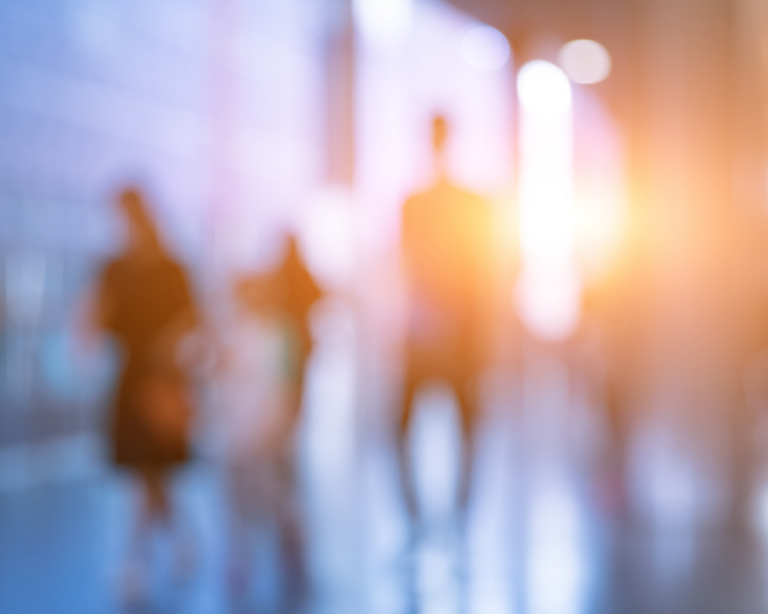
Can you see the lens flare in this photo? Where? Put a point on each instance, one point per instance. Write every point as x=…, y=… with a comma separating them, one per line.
x=548, y=290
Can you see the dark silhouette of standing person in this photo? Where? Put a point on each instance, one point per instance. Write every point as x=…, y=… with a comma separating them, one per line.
x=144, y=301
x=613, y=323
x=446, y=257
x=286, y=296
x=290, y=292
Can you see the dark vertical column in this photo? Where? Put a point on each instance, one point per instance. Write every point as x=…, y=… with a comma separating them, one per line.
x=340, y=110
x=223, y=100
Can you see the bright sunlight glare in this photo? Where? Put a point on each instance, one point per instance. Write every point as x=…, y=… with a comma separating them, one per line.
x=547, y=293
x=383, y=21
x=543, y=89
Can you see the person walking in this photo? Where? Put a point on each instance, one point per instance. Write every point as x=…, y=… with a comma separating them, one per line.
x=144, y=301
x=446, y=257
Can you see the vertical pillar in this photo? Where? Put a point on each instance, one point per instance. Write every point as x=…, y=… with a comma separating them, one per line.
x=340, y=111
x=224, y=113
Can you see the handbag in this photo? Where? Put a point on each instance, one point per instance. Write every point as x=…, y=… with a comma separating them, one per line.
x=165, y=409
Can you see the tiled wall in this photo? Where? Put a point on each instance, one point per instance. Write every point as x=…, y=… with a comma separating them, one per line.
x=214, y=105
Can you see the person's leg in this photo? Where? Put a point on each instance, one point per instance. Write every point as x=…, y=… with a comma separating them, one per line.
x=289, y=521
x=285, y=495
x=410, y=387
x=243, y=499
x=295, y=394
x=152, y=508
x=157, y=507
x=284, y=462
x=159, y=513
x=618, y=431
x=466, y=399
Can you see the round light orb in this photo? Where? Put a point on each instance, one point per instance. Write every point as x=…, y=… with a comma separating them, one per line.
x=544, y=89
x=484, y=48
x=585, y=61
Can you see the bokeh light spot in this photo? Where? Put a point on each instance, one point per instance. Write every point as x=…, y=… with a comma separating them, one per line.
x=485, y=48
x=543, y=89
x=585, y=61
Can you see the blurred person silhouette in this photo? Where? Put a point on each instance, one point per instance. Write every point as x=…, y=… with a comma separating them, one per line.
x=144, y=301
x=611, y=331
x=288, y=294
x=252, y=399
x=446, y=258
x=266, y=484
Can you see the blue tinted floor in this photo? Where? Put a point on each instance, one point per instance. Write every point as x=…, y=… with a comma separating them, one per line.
x=539, y=538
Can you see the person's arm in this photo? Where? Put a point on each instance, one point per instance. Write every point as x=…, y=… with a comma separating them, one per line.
x=89, y=324
x=313, y=292
x=260, y=293
x=184, y=319
x=96, y=312
x=102, y=304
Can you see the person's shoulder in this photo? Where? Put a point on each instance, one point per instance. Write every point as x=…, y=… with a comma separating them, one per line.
x=168, y=270
x=112, y=269
x=467, y=196
x=427, y=199
x=180, y=269
x=415, y=200
x=442, y=194
x=447, y=190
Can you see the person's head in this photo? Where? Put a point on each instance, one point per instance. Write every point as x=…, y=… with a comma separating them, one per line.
x=439, y=132
x=142, y=232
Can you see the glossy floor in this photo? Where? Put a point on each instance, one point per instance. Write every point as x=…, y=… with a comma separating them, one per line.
x=543, y=535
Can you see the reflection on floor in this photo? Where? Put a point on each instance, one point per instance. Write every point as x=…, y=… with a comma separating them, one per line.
x=537, y=541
